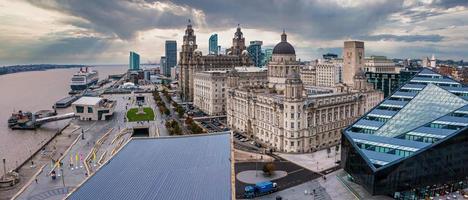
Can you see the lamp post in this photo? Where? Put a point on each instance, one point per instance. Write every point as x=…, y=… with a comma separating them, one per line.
x=63, y=175
x=4, y=169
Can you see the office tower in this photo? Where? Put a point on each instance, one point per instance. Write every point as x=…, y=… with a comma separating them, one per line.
x=268, y=53
x=134, y=61
x=213, y=44
x=162, y=64
x=171, y=57
x=255, y=53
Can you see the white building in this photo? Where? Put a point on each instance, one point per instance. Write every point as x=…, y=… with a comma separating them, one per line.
x=93, y=108
x=380, y=64
x=328, y=74
x=210, y=86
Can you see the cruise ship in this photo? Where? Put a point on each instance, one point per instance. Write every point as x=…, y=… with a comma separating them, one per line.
x=83, y=79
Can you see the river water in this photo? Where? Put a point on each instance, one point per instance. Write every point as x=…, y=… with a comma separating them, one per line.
x=33, y=91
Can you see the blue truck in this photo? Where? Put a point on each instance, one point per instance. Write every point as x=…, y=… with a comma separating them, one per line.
x=260, y=189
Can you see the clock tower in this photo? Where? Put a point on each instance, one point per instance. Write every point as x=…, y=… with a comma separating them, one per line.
x=189, y=45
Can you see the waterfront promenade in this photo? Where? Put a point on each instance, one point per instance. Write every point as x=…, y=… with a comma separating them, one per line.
x=95, y=142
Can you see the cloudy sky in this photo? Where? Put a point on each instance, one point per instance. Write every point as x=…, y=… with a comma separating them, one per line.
x=104, y=31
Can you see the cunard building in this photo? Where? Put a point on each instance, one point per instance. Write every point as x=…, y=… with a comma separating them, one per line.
x=192, y=60
x=287, y=116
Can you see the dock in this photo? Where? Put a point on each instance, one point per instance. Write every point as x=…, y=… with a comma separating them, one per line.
x=65, y=102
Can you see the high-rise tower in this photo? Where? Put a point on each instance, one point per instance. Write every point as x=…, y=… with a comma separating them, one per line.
x=353, y=58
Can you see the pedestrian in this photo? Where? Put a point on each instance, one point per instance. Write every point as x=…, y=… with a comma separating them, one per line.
x=36, y=180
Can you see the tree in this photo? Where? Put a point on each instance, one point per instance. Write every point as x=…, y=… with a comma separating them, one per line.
x=189, y=120
x=269, y=169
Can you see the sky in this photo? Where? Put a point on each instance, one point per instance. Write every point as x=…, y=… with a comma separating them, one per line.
x=104, y=31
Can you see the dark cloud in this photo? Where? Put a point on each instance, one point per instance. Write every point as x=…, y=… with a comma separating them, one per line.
x=403, y=38
x=120, y=17
x=318, y=19
x=420, y=11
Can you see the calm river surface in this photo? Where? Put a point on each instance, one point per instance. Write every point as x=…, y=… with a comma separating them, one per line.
x=33, y=91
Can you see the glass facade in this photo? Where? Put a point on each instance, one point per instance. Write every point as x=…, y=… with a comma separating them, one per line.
x=268, y=53
x=171, y=57
x=414, y=144
x=134, y=61
x=388, y=83
x=256, y=54
x=213, y=44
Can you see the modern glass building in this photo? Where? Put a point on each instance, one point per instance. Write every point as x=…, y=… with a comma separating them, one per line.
x=268, y=52
x=134, y=61
x=213, y=44
x=255, y=53
x=171, y=57
x=162, y=64
x=414, y=144
x=388, y=83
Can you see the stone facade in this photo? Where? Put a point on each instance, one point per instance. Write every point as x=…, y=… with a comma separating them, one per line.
x=293, y=118
x=192, y=61
x=211, y=86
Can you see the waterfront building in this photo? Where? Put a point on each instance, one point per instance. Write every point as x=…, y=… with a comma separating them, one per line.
x=288, y=116
x=171, y=57
x=283, y=63
x=412, y=145
x=213, y=44
x=238, y=43
x=93, y=108
x=134, y=61
x=162, y=64
x=211, y=86
x=192, y=60
x=255, y=52
x=268, y=53
x=196, y=167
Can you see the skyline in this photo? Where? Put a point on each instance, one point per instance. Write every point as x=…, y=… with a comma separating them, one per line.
x=64, y=32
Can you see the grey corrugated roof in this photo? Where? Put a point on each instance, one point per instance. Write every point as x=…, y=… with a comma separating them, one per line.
x=171, y=168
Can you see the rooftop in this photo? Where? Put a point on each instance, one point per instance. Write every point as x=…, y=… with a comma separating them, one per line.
x=88, y=101
x=170, y=168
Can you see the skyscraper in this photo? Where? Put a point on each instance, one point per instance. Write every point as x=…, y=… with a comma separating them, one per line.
x=255, y=53
x=213, y=44
x=267, y=57
x=162, y=64
x=171, y=57
x=134, y=61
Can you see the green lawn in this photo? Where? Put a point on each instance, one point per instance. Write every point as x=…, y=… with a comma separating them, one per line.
x=134, y=117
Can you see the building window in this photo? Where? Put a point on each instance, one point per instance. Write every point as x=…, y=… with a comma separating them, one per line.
x=292, y=115
x=292, y=143
x=90, y=110
x=79, y=109
x=292, y=124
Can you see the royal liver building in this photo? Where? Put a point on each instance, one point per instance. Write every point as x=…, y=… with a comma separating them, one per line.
x=192, y=60
x=288, y=116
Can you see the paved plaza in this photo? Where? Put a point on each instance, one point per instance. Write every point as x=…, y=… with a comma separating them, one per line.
x=318, y=161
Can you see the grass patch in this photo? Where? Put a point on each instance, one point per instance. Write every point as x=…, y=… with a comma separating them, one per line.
x=132, y=115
